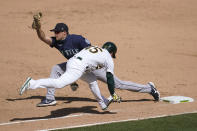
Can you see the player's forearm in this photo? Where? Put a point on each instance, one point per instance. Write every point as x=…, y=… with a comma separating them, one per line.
x=42, y=37
x=41, y=34
x=110, y=82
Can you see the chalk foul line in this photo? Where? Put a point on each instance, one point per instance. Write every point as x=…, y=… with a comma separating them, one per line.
x=109, y=122
x=26, y=121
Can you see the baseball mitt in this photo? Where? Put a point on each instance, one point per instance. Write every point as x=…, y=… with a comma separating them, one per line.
x=36, y=21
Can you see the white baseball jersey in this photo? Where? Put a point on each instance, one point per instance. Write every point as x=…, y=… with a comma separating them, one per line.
x=94, y=57
x=88, y=59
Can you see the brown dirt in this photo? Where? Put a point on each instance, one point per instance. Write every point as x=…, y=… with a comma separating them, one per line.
x=156, y=42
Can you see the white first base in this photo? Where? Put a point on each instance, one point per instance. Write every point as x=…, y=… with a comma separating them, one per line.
x=176, y=99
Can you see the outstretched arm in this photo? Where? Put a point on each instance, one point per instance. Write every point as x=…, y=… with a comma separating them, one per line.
x=110, y=82
x=111, y=86
x=42, y=37
x=37, y=26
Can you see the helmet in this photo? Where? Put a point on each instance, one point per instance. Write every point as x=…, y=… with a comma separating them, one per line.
x=111, y=47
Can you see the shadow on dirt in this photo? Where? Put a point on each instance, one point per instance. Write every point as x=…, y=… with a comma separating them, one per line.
x=71, y=99
x=66, y=99
x=140, y=100
x=65, y=112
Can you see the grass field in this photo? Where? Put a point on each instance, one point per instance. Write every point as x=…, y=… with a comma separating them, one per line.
x=186, y=122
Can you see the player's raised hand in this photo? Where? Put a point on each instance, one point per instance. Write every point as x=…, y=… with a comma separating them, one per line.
x=36, y=21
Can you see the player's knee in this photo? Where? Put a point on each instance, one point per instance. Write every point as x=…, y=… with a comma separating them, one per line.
x=58, y=83
x=56, y=71
x=118, y=86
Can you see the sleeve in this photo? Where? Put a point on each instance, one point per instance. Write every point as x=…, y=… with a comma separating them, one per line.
x=109, y=73
x=109, y=64
x=110, y=82
x=84, y=42
x=53, y=42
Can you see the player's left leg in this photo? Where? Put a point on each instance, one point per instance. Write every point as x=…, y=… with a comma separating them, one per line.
x=56, y=72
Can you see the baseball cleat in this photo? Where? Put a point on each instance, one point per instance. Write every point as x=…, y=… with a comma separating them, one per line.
x=107, y=103
x=103, y=105
x=154, y=92
x=25, y=86
x=47, y=102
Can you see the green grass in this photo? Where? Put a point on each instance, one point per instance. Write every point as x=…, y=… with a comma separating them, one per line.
x=186, y=122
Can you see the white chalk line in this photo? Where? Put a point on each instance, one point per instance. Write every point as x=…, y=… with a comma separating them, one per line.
x=109, y=122
x=18, y=122
x=26, y=121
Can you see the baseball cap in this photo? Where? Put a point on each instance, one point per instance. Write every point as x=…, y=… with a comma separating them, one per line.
x=60, y=27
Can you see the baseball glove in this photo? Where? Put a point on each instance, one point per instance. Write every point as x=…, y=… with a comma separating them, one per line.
x=36, y=22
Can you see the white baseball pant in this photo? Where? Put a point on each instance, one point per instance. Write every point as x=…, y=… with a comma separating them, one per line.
x=100, y=74
x=75, y=70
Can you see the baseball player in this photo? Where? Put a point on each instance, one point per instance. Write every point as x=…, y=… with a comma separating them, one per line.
x=69, y=45
x=81, y=66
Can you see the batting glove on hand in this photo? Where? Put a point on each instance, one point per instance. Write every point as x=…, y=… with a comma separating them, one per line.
x=36, y=22
x=116, y=98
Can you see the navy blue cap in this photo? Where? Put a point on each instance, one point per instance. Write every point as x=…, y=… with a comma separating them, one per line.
x=60, y=27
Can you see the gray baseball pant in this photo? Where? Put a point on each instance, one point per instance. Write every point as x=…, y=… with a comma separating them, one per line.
x=100, y=74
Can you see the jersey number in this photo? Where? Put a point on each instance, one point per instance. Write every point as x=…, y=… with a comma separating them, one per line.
x=93, y=49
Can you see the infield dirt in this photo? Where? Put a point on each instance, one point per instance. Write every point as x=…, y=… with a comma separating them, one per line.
x=156, y=42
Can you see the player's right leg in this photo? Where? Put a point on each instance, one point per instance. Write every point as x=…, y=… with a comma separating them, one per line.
x=131, y=86
x=126, y=85
x=90, y=78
